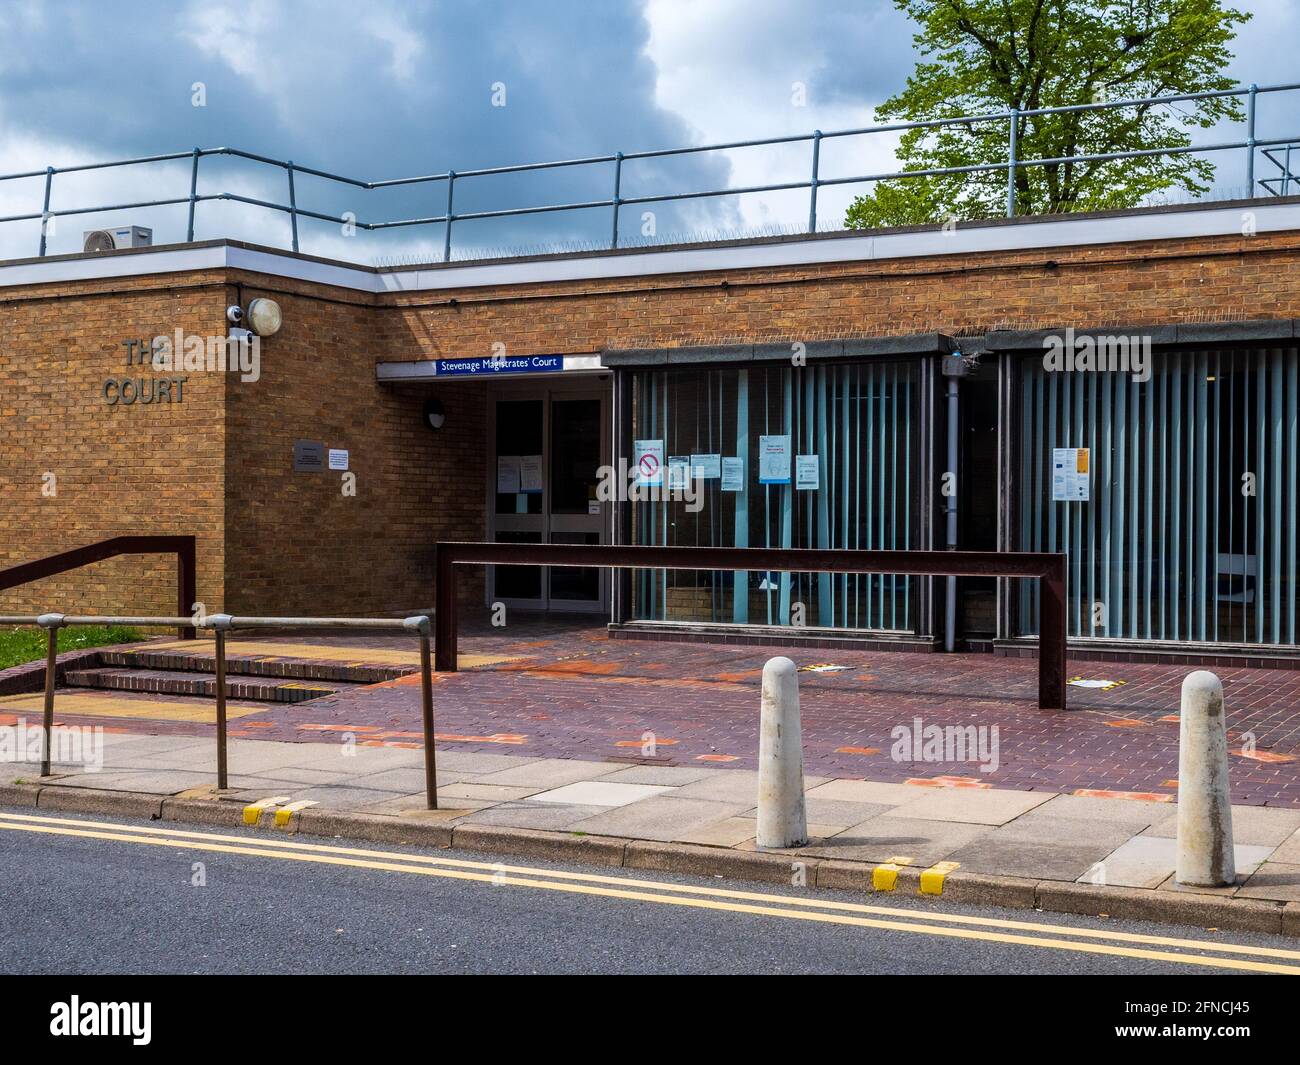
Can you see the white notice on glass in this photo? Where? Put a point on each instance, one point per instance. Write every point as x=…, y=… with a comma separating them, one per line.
x=773, y=460
x=733, y=474
x=530, y=473
x=807, y=470
x=507, y=474
x=679, y=472
x=648, y=457
x=708, y=467
x=1070, y=474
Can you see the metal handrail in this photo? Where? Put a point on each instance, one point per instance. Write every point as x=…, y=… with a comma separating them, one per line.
x=183, y=547
x=220, y=624
x=1047, y=567
x=1011, y=164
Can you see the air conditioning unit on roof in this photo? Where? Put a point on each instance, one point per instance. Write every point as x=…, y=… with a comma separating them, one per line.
x=97, y=240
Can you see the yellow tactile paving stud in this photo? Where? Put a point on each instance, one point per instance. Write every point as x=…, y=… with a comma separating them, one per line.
x=129, y=705
x=932, y=879
x=884, y=877
x=253, y=811
x=338, y=654
x=285, y=813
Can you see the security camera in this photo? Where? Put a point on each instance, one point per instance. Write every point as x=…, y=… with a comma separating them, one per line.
x=234, y=314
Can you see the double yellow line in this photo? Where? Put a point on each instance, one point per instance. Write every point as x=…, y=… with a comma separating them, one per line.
x=1212, y=954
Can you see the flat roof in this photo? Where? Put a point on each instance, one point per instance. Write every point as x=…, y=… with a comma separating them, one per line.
x=964, y=238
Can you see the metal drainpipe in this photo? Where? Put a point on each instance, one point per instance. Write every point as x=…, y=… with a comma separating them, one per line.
x=950, y=605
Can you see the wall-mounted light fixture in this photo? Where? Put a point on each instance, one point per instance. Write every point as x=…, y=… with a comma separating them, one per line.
x=434, y=413
x=264, y=317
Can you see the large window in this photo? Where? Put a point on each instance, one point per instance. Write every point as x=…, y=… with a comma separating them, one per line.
x=858, y=420
x=1189, y=529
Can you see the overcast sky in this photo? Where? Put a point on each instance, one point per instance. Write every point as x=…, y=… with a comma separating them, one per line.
x=387, y=88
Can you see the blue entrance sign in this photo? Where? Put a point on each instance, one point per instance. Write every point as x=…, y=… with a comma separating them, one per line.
x=499, y=364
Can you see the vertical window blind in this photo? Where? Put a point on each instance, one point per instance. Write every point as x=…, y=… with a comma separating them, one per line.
x=1189, y=532
x=858, y=418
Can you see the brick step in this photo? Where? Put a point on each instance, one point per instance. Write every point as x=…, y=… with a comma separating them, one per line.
x=166, y=682
x=251, y=666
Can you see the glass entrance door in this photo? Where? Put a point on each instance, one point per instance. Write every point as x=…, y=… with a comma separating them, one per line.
x=546, y=459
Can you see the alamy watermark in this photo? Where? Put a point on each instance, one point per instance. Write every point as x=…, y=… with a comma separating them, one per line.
x=946, y=743
x=239, y=352
x=69, y=744
x=622, y=484
x=131, y=1020
x=1098, y=353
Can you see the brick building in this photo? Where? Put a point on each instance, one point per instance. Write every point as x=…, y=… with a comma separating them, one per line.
x=801, y=384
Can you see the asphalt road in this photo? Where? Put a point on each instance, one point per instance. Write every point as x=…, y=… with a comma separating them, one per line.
x=87, y=895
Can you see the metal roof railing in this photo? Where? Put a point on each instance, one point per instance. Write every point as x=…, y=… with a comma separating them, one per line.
x=453, y=179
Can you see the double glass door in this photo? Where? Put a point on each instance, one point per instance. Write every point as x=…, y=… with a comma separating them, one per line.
x=547, y=450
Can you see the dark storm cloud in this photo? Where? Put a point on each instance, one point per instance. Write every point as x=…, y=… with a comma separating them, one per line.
x=374, y=90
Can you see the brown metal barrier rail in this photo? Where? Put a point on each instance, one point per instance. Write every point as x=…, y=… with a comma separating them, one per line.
x=220, y=624
x=180, y=546
x=1049, y=569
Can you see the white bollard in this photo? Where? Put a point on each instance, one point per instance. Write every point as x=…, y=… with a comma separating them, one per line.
x=1205, y=855
x=782, y=821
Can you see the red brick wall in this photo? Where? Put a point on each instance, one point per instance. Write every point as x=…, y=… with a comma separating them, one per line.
x=272, y=541
x=295, y=543
x=1149, y=282
x=118, y=469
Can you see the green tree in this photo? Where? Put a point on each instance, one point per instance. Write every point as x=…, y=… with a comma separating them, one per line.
x=988, y=56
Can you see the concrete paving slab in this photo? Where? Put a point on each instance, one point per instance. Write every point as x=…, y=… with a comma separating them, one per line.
x=817, y=836
x=1044, y=849
x=549, y=773
x=868, y=791
x=970, y=805
x=883, y=838
x=1289, y=852
x=731, y=785
x=1136, y=814
x=149, y=781
x=1148, y=861
x=1273, y=880
x=125, y=742
x=298, y=777
x=1143, y=861
x=196, y=756
x=1251, y=825
x=342, y=797
x=476, y=761
x=253, y=756
x=729, y=832
x=674, y=775
x=834, y=813
x=11, y=771
x=449, y=809
x=407, y=780
x=253, y=786
x=484, y=792
x=554, y=817
x=601, y=793
x=663, y=818
x=352, y=757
